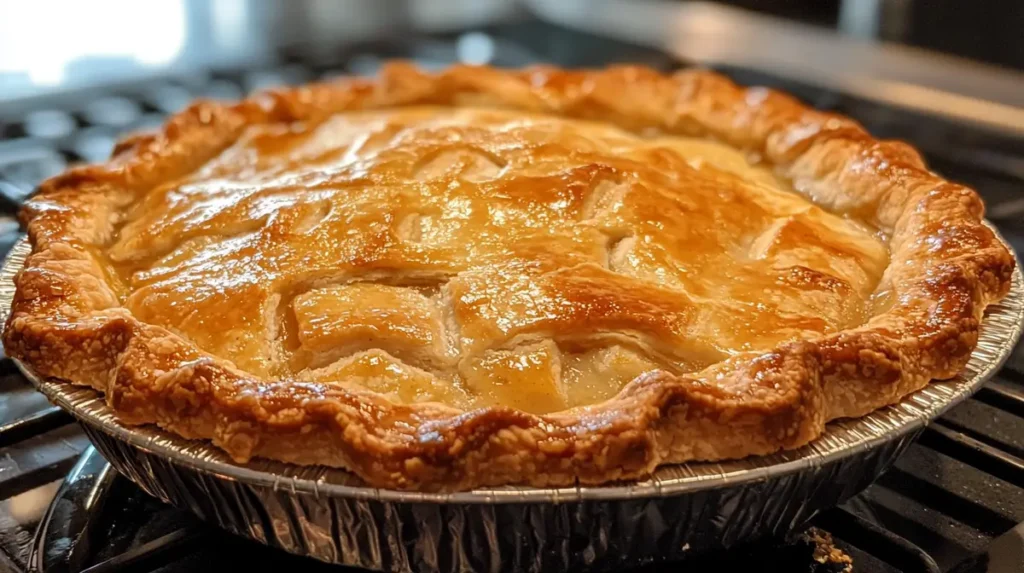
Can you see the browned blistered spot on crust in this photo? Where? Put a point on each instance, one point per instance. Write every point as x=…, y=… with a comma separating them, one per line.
x=66, y=321
x=801, y=276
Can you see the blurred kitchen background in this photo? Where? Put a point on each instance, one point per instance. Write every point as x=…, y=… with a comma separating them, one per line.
x=945, y=75
x=50, y=45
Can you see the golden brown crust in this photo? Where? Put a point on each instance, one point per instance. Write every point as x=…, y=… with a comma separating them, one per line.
x=945, y=267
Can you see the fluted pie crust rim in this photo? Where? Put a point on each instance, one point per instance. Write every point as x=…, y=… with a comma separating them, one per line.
x=945, y=267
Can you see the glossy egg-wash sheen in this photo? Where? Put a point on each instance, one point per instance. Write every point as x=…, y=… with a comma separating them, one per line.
x=478, y=257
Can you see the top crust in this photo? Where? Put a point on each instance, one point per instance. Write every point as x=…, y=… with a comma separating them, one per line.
x=67, y=320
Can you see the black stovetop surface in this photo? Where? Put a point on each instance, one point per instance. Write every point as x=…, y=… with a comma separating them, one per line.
x=953, y=502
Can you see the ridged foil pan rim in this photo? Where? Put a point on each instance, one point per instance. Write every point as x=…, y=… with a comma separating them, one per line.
x=1000, y=330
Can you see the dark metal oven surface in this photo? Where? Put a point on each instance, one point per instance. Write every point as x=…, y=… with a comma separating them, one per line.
x=954, y=501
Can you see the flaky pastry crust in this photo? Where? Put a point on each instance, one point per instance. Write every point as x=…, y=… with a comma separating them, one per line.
x=68, y=320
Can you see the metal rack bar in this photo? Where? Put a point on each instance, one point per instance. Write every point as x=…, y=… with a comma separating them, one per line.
x=964, y=510
x=960, y=446
x=877, y=540
x=40, y=459
x=148, y=556
x=33, y=424
x=1003, y=396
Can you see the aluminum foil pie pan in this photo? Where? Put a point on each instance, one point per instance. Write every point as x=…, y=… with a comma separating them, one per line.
x=330, y=515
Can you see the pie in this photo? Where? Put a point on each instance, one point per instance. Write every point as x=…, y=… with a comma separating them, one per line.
x=483, y=277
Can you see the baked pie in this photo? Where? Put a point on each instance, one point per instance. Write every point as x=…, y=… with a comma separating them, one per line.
x=483, y=277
